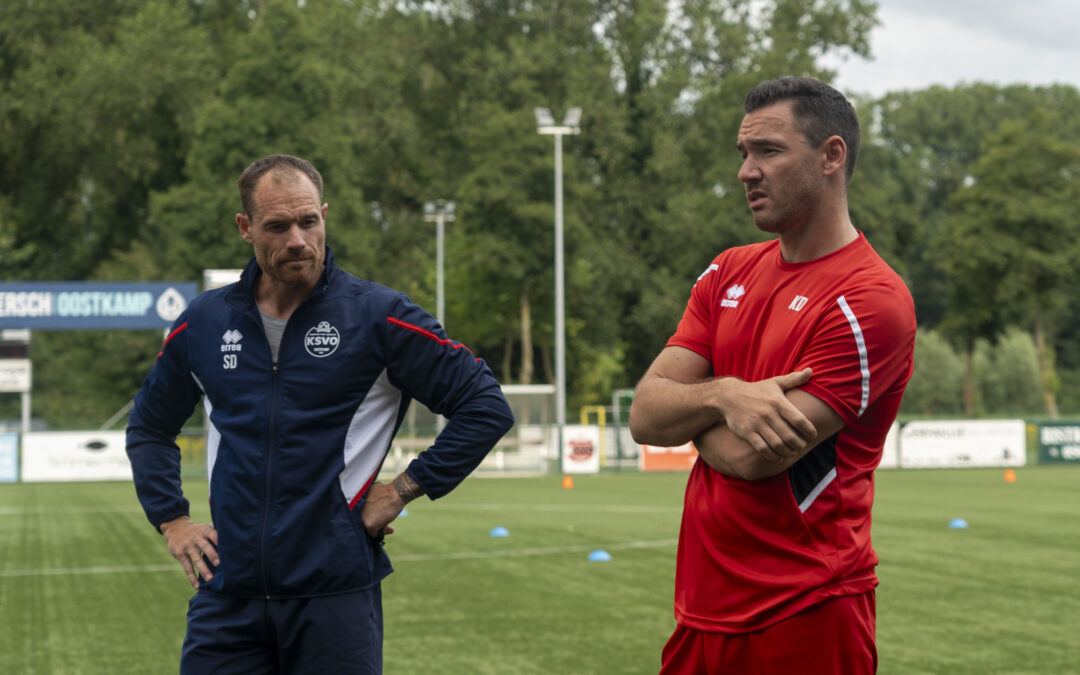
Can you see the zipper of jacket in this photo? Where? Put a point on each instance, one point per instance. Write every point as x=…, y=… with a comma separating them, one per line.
x=271, y=441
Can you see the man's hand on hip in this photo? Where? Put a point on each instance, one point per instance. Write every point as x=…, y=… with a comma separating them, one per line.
x=384, y=502
x=188, y=542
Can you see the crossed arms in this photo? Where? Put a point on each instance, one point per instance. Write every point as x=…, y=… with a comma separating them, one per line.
x=748, y=430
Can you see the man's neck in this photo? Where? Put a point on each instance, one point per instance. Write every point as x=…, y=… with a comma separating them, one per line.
x=828, y=231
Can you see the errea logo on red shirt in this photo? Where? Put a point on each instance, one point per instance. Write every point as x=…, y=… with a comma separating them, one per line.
x=733, y=294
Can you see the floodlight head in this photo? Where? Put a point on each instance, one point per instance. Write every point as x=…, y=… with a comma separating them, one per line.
x=572, y=118
x=543, y=117
x=429, y=209
x=448, y=209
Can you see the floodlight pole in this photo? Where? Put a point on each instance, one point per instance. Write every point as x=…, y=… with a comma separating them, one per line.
x=439, y=211
x=546, y=125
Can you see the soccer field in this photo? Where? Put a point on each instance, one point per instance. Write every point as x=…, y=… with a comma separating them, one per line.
x=87, y=586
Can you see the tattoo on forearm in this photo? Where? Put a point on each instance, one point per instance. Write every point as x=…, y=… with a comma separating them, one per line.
x=407, y=488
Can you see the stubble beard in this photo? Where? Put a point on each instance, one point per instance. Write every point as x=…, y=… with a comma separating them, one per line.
x=284, y=275
x=793, y=213
x=795, y=208
x=306, y=275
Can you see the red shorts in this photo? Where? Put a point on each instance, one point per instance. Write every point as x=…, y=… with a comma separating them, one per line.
x=834, y=637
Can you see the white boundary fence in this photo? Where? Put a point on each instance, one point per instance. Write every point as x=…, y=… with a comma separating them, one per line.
x=530, y=449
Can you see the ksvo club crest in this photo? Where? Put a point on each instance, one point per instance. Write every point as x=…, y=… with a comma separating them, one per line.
x=322, y=340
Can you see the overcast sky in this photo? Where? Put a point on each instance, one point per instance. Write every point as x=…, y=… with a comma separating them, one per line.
x=924, y=42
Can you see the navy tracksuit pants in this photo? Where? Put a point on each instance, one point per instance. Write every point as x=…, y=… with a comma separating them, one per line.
x=337, y=634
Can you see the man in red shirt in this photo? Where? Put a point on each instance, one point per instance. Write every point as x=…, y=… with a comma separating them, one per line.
x=786, y=371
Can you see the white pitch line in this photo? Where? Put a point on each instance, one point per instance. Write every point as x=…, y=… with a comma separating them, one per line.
x=66, y=510
x=415, y=557
x=605, y=508
x=609, y=508
x=522, y=552
x=79, y=571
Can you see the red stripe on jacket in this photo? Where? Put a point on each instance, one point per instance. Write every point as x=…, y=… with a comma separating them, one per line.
x=426, y=333
x=363, y=490
x=171, y=336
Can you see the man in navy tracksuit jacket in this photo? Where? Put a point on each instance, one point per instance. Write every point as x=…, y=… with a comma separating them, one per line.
x=306, y=373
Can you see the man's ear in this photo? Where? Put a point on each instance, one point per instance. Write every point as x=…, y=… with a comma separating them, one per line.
x=835, y=155
x=243, y=223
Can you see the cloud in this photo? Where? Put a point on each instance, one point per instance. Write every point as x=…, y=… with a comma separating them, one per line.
x=1045, y=23
x=965, y=41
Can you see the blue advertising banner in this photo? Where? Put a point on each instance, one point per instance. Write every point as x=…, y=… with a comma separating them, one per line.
x=90, y=305
x=9, y=458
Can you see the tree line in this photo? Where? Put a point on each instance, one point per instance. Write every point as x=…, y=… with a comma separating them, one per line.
x=123, y=127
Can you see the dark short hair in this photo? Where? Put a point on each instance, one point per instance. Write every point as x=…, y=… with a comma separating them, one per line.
x=260, y=167
x=820, y=111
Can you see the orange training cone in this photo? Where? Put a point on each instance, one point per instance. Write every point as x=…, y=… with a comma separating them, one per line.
x=1010, y=476
x=567, y=482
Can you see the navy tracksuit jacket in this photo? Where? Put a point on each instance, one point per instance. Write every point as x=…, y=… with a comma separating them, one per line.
x=294, y=445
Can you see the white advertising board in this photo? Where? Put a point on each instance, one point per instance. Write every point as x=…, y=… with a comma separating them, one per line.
x=15, y=375
x=219, y=278
x=9, y=458
x=74, y=456
x=890, y=454
x=961, y=443
x=581, y=448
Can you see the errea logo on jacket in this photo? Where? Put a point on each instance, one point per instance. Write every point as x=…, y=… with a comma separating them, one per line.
x=230, y=341
x=322, y=340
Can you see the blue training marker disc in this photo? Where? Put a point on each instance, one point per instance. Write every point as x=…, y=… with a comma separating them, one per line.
x=958, y=524
x=499, y=531
x=599, y=555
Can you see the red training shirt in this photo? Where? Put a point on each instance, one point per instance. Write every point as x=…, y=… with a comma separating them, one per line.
x=752, y=553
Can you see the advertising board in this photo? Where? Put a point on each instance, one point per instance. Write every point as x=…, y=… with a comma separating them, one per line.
x=74, y=456
x=9, y=458
x=581, y=448
x=657, y=458
x=962, y=443
x=86, y=305
x=1059, y=443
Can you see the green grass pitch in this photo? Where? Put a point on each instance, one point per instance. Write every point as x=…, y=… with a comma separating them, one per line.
x=86, y=585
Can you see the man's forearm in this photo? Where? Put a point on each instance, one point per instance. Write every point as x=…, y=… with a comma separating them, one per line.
x=670, y=413
x=780, y=443
x=407, y=488
x=155, y=469
x=726, y=453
